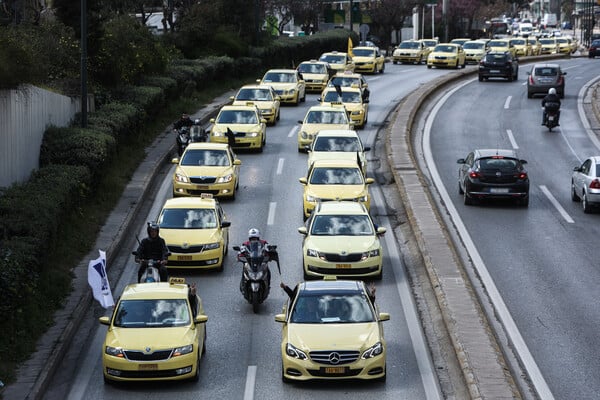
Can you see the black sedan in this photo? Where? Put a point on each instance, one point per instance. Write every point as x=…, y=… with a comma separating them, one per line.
x=496, y=64
x=594, y=49
x=493, y=173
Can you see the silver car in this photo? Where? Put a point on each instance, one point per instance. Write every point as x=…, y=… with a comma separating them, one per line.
x=585, y=184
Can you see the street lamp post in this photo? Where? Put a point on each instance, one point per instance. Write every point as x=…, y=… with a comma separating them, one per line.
x=432, y=20
x=84, y=64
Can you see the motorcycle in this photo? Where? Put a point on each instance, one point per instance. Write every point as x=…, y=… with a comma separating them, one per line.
x=197, y=133
x=551, y=120
x=256, y=275
x=183, y=139
x=151, y=273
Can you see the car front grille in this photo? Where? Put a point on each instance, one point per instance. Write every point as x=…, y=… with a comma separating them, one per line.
x=187, y=250
x=203, y=180
x=158, y=355
x=336, y=257
x=334, y=357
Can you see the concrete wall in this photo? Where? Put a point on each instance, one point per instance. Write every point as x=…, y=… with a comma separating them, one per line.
x=25, y=113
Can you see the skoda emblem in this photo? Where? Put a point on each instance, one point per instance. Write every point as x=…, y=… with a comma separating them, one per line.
x=148, y=349
x=344, y=253
x=334, y=358
x=185, y=245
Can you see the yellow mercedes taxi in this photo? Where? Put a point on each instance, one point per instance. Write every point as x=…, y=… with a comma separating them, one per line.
x=206, y=167
x=334, y=179
x=196, y=231
x=263, y=96
x=447, y=55
x=338, y=61
x=522, y=46
x=332, y=329
x=245, y=124
x=411, y=51
x=315, y=74
x=341, y=239
x=368, y=60
x=474, y=51
x=351, y=98
x=321, y=117
x=287, y=83
x=337, y=144
x=157, y=331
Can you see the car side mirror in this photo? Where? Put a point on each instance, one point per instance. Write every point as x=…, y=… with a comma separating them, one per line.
x=523, y=161
x=225, y=224
x=175, y=160
x=300, y=122
x=303, y=230
x=104, y=320
x=577, y=169
x=236, y=248
x=303, y=180
x=460, y=161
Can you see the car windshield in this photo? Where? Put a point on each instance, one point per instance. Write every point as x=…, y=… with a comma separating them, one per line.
x=344, y=225
x=363, y=52
x=344, y=82
x=472, y=46
x=492, y=57
x=498, y=43
x=334, y=59
x=237, y=117
x=206, y=158
x=347, y=97
x=545, y=71
x=518, y=42
x=429, y=43
x=254, y=94
x=336, y=176
x=547, y=41
x=332, y=308
x=326, y=117
x=441, y=48
x=309, y=68
x=409, y=45
x=184, y=218
x=349, y=144
x=501, y=164
x=280, y=77
x=155, y=313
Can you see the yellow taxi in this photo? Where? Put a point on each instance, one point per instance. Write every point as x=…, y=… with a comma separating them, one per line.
x=565, y=45
x=535, y=46
x=206, y=167
x=264, y=97
x=351, y=98
x=460, y=41
x=430, y=43
x=411, y=51
x=157, y=331
x=447, y=55
x=338, y=61
x=287, y=83
x=243, y=127
x=196, y=231
x=332, y=329
x=321, y=117
x=336, y=144
x=522, y=46
x=502, y=45
x=368, y=60
x=315, y=74
x=334, y=179
x=548, y=46
x=341, y=239
x=474, y=50
x=350, y=79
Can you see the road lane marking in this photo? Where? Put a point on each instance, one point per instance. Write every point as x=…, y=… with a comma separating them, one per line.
x=250, y=382
x=507, y=102
x=293, y=131
x=513, y=142
x=280, y=166
x=271, y=217
x=556, y=204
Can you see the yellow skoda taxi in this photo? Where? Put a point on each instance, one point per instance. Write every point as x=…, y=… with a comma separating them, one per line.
x=351, y=98
x=502, y=45
x=157, y=331
x=368, y=60
x=264, y=97
x=522, y=46
x=196, y=232
x=206, y=168
x=474, y=51
x=350, y=79
x=332, y=329
x=341, y=239
x=447, y=55
x=411, y=51
x=548, y=46
x=243, y=127
x=330, y=179
x=287, y=83
x=338, y=61
x=321, y=117
x=315, y=74
x=535, y=46
x=337, y=144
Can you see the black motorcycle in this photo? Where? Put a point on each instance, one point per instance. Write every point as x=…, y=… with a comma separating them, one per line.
x=198, y=133
x=551, y=120
x=256, y=275
x=183, y=138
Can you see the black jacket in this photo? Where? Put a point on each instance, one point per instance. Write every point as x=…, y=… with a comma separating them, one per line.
x=153, y=249
x=551, y=102
x=183, y=122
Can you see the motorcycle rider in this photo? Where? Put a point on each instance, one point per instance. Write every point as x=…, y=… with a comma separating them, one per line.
x=254, y=237
x=153, y=247
x=551, y=102
x=185, y=120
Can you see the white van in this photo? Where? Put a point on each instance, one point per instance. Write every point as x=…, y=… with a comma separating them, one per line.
x=525, y=29
x=550, y=21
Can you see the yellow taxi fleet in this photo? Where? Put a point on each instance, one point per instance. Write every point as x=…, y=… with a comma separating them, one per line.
x=264, y=97
x=287, y=83
x=196, y=232
x=368, y=60
x=411, y=51
x=332, y=329
x=206, y=168
x=352, y=99
x=157, y=331
x=245, y=123
x=337, y=144
x=321, y=117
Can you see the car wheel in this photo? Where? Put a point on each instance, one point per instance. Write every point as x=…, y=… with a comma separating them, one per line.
x=529, y=95
x=379, y=276
x=303, y=97
x=585, y=204
x=382, y=70
x=460, y=190
x=524, y=202
x=574, y=196
x=196, y=376
x=466, y=199
x=516, y=78
x=480, y=78
x=510, y=77
x=395, y=62
x=278, y=115
x=383, y=378
x=429, y=66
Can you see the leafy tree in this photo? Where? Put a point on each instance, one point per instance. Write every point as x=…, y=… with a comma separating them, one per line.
x=281, y=10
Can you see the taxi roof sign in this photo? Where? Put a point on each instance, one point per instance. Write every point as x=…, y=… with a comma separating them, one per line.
x=176, y=280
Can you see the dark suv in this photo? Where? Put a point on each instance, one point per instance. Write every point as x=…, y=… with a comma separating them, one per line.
x=496, y=64
x=493, y=173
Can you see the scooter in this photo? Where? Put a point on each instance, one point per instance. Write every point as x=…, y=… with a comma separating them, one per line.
x=151, y=274
x=256, y=276
x=183, y=139
x=198, y=133
x=551, y=120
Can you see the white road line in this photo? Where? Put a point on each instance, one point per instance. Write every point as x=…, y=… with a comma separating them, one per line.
x=507, y=102
x=556, y=204
x=513, y=142
x=293, y=131
x=250, y=383
x=271, y=217
x=280, y=166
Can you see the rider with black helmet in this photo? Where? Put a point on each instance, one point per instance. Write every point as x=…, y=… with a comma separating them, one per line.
x=153, y=247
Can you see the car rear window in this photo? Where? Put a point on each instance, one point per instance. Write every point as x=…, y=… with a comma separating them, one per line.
x=495, y=57
x=503, y=164
x=546, y=71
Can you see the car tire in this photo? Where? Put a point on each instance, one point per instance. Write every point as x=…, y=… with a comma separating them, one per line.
x=480, y=78
x=529, y=95
x=382, y=70
x=585, y=204
x=429, y=66
x=303, y=97
x=395, y=62
x=510, y=77
x=468, y=201
x=460, y=190
x=383, y=378
x=524, y=202
x=574, y=196
x=516, y=78
x=196, y=376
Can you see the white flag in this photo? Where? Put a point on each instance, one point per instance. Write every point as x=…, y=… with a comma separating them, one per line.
x=99, y=281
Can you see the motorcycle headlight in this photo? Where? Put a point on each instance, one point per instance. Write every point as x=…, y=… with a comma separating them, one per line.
x=114, y=351
x=179, y=351
x=211, y=246
x=373, y=351
x=293, y=351
x=225, y=178
x=255, y=275
x=181, y=178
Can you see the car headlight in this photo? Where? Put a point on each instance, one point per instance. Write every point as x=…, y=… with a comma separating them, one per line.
x=304, y=135
x=363, y=199
x=370, y=253
x=357, y=112
x=312, y=253
x=293, y=351
x=265, y=110
x=211, y=246
x=311, y=199
x=225, y=178
x=373, y=351
x=290, y=91
x=114, y=351
x=181, y=178
x=253, y=134
x=218, y=133
x=180, y=351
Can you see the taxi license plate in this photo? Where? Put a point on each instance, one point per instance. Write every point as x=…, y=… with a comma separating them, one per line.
x=148, y=367
x=343, y=266
x=335, y=370
x=499, y=190
x=184, y=258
